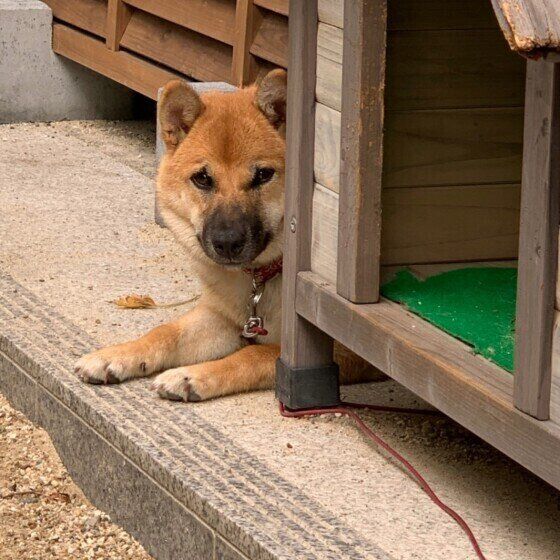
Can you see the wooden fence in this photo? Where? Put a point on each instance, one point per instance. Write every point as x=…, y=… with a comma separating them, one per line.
x=145, y=43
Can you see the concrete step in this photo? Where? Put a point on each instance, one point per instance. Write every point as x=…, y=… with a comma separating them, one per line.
x=225, y=479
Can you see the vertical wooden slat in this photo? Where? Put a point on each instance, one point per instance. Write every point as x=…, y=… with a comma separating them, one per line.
x=118, y=16
x=247, y=17
x=303, y=345
x=361, y=165
x=538, y=241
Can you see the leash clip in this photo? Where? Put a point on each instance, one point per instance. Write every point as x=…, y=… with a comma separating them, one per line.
x=255, y=323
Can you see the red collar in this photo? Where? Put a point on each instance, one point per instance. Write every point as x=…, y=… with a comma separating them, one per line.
x=266, y=272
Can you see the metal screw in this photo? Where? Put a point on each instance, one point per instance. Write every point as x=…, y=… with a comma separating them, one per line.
x=293, y=224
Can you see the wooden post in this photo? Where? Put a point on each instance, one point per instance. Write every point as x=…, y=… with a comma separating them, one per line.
x=361, y=153
x=305, y=348
x=118, y=16
x=538, y=239
x=247, y=19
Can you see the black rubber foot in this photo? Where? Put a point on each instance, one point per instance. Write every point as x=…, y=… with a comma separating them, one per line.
x=298, y=388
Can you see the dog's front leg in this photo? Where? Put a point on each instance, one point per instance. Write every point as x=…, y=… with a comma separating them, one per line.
x=248, y=369
x=199, y=336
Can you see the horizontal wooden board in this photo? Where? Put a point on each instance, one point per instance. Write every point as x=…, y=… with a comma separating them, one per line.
x=432, y=69
x=278, y=6
x=436, y=367
x=422, y=14
x=435, y=147
x=123, y=67
x=179, y=48
x=271, y=39
x=213, y=18
x=427, y=225
x=90, y=15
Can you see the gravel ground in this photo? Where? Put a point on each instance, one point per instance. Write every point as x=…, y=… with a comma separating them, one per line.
x=43, y=514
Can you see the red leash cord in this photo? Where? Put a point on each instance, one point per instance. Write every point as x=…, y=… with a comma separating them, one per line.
x=345, y=409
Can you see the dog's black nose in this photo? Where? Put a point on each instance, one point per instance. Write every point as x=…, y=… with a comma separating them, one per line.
x=228, y=243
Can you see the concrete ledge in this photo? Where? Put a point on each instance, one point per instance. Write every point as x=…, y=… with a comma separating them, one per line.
x=169, y=478
x=37, y=85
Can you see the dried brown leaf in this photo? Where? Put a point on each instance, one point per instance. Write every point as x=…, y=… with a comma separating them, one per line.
x=135, y=301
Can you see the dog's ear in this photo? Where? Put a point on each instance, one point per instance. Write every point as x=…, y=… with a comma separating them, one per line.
x=271, y=97
x=179, y=107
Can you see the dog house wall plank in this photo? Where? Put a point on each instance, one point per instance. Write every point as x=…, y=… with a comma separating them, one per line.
x=433, y=147
x=438, y=368
x=538, y=239
x=120, y=66
x=213, y=18
x=178, y=48
x=427, y=225
x=303, y=345
x=422, y=69
x=422, y=14
x=90, y=15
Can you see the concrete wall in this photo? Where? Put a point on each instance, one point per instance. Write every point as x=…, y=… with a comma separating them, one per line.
x=38, y=85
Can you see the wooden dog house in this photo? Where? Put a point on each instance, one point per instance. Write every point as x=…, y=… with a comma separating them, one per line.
x=416, y=137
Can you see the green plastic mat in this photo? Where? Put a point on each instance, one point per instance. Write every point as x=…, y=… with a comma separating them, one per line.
x=475, y=305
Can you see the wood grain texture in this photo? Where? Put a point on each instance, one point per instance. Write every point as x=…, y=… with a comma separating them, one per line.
x=303, y=345
x=90, y=15
x=278, y=6
x=433, y=147
x=439, y=369
x=529, y=25
x=427, y=225
x=120, y=66
x=213, y=18
x=422, y=14
x=181, y=49
x=271, y=39
x=538, y=239
x=432, y=69
x=361, y=152
x=329, y=66
x=118, y=16
x=243, y=65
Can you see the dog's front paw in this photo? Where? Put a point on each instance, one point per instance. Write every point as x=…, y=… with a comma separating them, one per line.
x=112, y=365
x=189, y=384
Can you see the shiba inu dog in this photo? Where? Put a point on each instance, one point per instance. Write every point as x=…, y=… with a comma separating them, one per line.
x=220, y=190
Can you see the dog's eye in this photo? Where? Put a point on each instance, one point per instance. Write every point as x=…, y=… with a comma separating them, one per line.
x=262, y=175
x=202, y=180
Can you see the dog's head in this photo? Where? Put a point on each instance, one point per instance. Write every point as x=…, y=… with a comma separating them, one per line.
x=221, y=182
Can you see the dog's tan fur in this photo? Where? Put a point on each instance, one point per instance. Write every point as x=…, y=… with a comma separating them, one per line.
x=202, y=354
